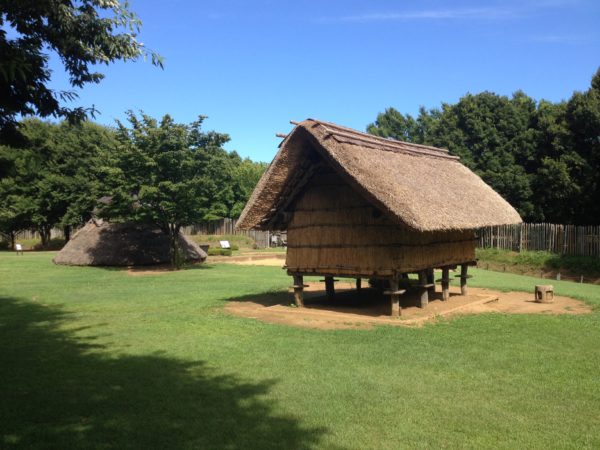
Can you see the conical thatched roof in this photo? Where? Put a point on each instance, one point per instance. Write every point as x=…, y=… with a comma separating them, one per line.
x=123, y=244
x=420, y=186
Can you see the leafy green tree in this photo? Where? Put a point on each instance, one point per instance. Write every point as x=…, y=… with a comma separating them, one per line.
x=16, y=203
x=83, y=33
x=393, y=124
x=490, y=133
x=543, y=157
x=168, y=174
x=583, y=118
x=54, y=178
x=246, y=176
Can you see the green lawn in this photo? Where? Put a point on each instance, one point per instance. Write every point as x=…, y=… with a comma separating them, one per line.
x=96, y=358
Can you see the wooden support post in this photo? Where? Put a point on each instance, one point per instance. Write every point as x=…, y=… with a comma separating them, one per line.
x=445, y=283
x=424, y=293
x=463, y=279
x=358, y=284
x=329, y=288
x=395, y=292
x=431, y=280
x=299, y=290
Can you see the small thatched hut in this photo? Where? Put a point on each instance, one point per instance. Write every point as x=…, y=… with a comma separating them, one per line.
x=101, y=243
x=356, y=205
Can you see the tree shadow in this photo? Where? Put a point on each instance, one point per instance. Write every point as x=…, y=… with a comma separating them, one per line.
x=61, y=391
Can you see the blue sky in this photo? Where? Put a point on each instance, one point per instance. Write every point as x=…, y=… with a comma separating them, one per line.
x=251, y=66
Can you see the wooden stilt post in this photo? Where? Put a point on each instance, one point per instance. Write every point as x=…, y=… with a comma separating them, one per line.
x=445, y=283
x=424, y=293
x=299, y=290
x=395, y=292
x=395, y=298
x=329, y=288
x=463, y=279
x=358, y=284
x=431, y=280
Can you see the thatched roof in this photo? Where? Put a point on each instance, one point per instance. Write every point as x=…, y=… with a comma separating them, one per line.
x=123, y=244
x=422, y=187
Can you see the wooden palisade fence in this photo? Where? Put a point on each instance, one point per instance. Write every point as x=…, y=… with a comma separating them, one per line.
x=222, y=226
x=227, y=226
x=560, y=239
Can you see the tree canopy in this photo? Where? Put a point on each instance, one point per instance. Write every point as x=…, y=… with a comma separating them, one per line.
x=543, y=157
x=82, y=33
x=174, y=175
x=162, y=172
x=53, y=180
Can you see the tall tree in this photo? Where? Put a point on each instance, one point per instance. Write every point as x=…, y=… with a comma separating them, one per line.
x=16, y=202
x=491, y=133
x=54, y=178
x=83, y=33
x=583, y=118
x=167, y=174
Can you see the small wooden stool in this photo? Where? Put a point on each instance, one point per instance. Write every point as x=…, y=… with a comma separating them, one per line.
x=544, y=293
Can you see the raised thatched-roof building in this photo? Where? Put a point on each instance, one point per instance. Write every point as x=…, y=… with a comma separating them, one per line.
x=101, y=243
x=356, y=205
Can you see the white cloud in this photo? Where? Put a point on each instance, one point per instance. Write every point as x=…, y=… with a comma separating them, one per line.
x=516, y=10
x=428, y=14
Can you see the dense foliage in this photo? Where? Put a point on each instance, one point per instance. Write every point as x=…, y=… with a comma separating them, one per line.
x=543, y=157
x=82, y=33
x=53, y=180
x=173, y=175
x=167, y=173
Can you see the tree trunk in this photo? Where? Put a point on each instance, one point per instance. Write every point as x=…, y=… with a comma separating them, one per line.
x=67, y=233
x=13, y=238
x=44, y=232
x=175, y=253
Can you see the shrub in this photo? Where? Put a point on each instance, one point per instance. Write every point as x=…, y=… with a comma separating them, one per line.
x=580, y=265
x=219, y=251
x=213, y=239
x=54, y=244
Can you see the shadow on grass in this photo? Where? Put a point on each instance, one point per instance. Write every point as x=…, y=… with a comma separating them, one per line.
x=155, y=268
x=61, y=391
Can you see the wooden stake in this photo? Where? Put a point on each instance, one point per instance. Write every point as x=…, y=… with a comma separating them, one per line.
x=464, y=290
x=395, y=297
x=299, y=290
x=424, y=297
x=431, y=280
x=445, y=283
x=329, y=288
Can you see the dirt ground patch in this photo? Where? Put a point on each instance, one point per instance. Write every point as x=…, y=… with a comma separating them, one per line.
x=276, y=262
x=252, y=259
x=362, y=310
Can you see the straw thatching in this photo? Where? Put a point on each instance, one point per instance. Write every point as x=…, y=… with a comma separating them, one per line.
x=358, y=205
x=422, y=187
x=123, y=244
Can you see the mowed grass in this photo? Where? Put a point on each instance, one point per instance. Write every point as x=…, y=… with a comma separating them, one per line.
x=97, y=358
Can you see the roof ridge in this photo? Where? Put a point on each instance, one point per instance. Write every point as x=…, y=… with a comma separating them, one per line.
x=367, y=140
x=379, y=138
